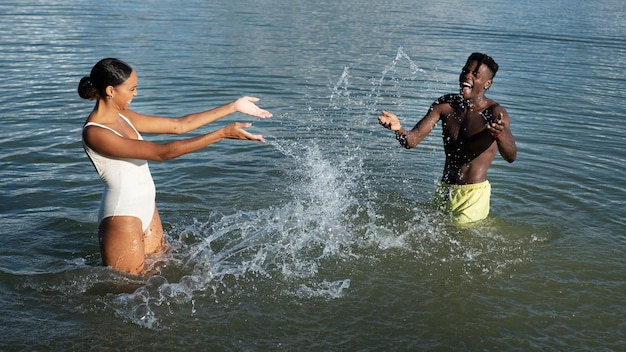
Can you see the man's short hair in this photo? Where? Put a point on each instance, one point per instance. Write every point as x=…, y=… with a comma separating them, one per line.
x=483, y=59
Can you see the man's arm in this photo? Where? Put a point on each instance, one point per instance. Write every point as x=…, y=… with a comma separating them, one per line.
x=501, y=131
x=410, y=139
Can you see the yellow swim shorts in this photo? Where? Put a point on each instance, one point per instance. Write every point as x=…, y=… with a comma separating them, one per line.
x=466, y=203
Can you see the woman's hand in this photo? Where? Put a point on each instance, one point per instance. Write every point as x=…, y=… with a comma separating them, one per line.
x=236, y=131
x=245, y=105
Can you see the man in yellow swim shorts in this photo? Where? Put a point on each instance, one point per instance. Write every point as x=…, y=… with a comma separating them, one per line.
x=474, y=128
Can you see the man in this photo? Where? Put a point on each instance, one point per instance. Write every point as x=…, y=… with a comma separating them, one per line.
x=474, y=129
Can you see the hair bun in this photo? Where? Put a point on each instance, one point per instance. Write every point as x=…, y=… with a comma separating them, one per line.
x=86, y=89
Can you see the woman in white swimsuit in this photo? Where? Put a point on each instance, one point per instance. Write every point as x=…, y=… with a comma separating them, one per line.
x=129, y=223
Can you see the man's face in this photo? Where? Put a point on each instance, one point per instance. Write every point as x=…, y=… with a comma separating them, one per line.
x=474, y=79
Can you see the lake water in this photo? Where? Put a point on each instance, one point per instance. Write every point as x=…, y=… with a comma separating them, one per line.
x=323, y=238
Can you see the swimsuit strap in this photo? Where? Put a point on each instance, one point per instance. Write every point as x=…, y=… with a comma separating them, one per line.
x=131, y=125
x=103, y=126
x=114, y=131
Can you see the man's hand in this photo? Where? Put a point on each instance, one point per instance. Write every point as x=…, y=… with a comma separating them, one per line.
x=495, y=127
x=389, y=121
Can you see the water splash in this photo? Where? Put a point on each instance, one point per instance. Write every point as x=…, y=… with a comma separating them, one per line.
x=414, y=69
x=340, y=88
x=351, y=92
x=285, y=244
x=392, y=84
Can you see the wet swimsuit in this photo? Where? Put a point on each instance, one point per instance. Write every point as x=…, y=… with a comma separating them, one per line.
x=467, y=203
x=128, y=186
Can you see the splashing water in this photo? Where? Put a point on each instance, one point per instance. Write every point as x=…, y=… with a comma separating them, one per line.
x=285, y=244
x=414, y=69
x=350, y=92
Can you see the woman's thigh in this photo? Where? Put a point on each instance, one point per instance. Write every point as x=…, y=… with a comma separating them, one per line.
x=122, y=243
x=153, y=237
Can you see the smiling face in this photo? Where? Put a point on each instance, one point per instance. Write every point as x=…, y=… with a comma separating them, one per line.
x=124, y=93
x=474, y=80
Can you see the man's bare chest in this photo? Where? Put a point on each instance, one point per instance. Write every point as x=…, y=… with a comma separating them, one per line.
x=459, y=125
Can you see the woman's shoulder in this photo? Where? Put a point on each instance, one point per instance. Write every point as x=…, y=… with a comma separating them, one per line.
x=129, y=114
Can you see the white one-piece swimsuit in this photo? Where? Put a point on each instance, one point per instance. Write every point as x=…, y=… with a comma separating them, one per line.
x=128, y=186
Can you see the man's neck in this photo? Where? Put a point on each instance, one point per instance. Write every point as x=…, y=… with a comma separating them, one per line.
x=478, y=103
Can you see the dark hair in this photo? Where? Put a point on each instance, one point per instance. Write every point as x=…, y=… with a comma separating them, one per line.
x=483, y=59
x=107, y=72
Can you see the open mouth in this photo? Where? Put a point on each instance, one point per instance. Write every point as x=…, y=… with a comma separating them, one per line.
x=466, y=87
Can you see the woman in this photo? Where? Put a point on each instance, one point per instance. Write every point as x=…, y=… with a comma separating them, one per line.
x=129, y=223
